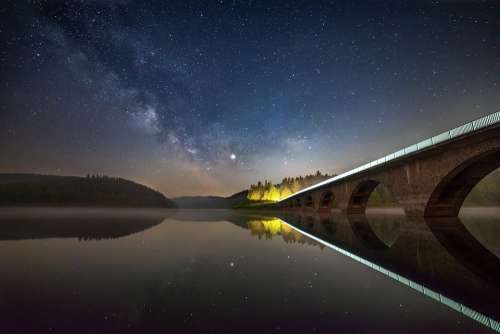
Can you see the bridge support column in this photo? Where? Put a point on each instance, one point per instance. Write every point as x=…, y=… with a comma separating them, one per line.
x=316, y=201
x=414, y=205
x=343, y=205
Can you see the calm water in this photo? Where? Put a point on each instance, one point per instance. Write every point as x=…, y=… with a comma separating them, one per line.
x=161, y=271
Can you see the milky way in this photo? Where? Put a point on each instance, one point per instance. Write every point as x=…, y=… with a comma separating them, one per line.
x=208, y=97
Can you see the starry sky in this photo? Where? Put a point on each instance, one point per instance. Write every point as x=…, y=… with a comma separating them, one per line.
x=206, y=97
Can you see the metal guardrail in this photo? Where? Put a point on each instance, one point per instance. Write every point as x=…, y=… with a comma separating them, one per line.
x=454, y=305
x=472, y=126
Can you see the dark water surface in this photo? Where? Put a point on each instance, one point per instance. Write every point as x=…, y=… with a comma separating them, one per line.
x=167, y=271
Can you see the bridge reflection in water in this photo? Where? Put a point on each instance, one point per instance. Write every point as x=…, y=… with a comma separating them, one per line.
x=439, y=258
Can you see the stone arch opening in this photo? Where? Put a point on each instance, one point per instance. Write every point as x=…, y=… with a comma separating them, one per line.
x=309, y=201
x=373, y=195
x=381, y=200
x=486, y=193
x=448, y=197
x=298, y=203
x=326, y=200
x=360, y=195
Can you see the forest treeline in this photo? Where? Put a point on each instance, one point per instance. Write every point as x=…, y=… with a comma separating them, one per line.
x=93, y=190
x=268, y=191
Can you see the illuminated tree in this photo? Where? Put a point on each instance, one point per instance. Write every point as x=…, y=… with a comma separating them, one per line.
x=288, y=186
x=295, y=186
x=285, y=191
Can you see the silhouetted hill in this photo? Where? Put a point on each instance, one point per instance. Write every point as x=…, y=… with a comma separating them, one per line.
x=210, y=202
x=34, y=189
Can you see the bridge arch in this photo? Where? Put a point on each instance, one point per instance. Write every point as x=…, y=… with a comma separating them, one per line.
x=326, y=201
x=309, y=201
x=360, y=195
x=449, y=195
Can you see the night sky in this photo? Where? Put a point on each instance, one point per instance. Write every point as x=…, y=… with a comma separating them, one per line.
x=208, y=97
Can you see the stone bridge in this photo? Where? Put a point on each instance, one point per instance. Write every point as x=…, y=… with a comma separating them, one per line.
x=431, y=178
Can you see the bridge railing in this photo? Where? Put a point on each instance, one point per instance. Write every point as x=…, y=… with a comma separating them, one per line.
x=469, y=127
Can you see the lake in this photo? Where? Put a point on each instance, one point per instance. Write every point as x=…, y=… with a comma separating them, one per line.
x=80, y=270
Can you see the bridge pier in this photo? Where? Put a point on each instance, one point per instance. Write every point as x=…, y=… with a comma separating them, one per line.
x=414, y=210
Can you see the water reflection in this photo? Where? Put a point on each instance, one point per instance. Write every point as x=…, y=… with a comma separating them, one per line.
x=200, y=271
x=267, y=228
x=483, y=224
x=439, y=254
x=83, y=224
x=366, y=233
x=438, y=257
x=465, y=247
